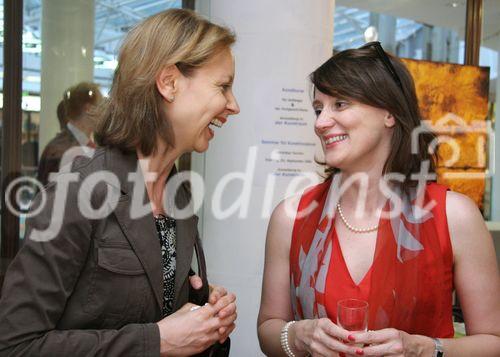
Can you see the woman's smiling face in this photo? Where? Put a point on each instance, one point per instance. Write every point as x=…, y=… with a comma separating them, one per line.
x=354, y=136
x=203, y=101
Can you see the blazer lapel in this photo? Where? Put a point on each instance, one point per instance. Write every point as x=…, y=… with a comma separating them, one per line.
x=187, y=229
x=143, y=237
x=186, y=234
x=140, y=232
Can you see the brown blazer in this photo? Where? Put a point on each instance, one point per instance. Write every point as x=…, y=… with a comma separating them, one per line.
x=96, y=288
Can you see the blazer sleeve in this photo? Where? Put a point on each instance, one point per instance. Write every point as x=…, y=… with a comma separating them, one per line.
x=40, y=280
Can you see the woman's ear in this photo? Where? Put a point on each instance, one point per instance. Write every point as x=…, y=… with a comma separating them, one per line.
x=389, y=120
x=166, y=82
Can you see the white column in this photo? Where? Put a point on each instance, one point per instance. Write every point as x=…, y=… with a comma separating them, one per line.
x=279, y=44
x=386, y=26
x=454, y=47
x=438, y=43
x=67, y=56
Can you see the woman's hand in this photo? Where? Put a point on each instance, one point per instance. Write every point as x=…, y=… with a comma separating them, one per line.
x=321, y=337
x=228, y=312
x=187, y=332
x=217, y=292
x=392, y=342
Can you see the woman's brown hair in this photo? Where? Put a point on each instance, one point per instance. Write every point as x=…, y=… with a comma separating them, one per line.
x=362, y=75
x=133, y=115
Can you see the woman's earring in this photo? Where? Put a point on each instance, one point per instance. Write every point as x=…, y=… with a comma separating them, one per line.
x=170, y=99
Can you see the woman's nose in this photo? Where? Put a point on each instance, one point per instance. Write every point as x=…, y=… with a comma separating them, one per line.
x=232, y=105
x=324, y=122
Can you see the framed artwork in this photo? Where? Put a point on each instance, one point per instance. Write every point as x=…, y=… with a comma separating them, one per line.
x=453, y=102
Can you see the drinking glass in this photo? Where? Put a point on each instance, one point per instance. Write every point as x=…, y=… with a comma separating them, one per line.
x=352, y=315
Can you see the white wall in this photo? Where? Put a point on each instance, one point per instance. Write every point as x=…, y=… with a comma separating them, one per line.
x=279, y=43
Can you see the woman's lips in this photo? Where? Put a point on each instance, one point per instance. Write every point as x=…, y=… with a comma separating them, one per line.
x=218, y=122
x=334, y=139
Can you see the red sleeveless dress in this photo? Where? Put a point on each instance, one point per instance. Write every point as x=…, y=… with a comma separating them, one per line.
x=409, y=285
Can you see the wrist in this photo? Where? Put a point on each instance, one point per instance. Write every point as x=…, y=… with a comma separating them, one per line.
x=295, y=338
x=285, y=339
x=438, y=348
x=164, y=346
x=424, y=346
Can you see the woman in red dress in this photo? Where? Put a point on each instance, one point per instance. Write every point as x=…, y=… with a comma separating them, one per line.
x=378, y=229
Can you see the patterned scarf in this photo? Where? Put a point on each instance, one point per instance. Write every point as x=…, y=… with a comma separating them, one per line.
x=407, y=253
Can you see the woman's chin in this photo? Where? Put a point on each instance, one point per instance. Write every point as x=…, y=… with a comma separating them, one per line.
x=201, y=148
x=334, y=162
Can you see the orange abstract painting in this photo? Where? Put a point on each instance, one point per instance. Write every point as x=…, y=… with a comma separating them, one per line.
x=454, y=100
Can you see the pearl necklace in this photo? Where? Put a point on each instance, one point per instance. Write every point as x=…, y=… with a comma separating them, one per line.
x=352, y=228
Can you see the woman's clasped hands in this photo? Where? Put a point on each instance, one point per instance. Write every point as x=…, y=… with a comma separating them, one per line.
x=193, y=329
x=323, y=338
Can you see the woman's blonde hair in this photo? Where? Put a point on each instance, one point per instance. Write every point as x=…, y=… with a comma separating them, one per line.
x=132, y=115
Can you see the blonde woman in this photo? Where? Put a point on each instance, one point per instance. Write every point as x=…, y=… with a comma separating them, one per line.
x=117, y=284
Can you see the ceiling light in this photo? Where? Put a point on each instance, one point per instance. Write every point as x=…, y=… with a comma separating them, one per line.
x=371, y=34
x=33, y=79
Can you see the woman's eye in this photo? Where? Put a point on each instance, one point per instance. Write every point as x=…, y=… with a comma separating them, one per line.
x=225, y=87
x=341, y=104
x=317, y=111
